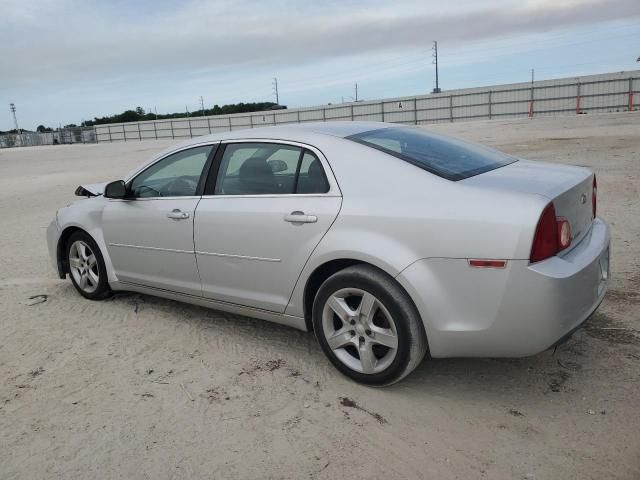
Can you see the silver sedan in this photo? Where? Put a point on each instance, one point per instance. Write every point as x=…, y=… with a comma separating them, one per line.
x=389, y=242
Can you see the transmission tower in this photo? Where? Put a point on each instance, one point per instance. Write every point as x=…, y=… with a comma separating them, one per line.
x=275, y=90
x=12, y=107
x=435, y=61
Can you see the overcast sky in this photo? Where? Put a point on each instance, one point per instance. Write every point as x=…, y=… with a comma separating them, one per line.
x=64, y=61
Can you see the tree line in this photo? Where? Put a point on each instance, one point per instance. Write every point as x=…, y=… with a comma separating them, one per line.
x=139, y=115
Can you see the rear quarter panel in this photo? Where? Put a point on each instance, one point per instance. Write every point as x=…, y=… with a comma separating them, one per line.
x=394, y=214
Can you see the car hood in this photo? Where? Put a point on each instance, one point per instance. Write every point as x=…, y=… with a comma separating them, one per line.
x=90, y=189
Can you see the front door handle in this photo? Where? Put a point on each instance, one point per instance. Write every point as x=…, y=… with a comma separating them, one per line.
x=300, y=217
x=178, y=214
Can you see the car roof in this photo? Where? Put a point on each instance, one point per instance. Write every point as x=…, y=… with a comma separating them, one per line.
x=311, y=133
x=305, y=132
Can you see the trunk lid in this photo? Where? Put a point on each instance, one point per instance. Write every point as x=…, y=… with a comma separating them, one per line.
x=569, y=187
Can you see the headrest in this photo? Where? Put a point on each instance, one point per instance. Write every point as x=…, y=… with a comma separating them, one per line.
x=255, y=167
x=315, y=168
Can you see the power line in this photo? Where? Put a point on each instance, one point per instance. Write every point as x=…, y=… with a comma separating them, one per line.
x=363, y=69
x=373, y=70
x=538, y=45
x=392, y=65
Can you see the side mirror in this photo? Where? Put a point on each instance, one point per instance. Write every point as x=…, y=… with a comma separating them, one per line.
x=115, y=189
x=278, y=165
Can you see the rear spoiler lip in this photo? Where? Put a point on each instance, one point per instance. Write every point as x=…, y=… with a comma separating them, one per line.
x=90, y=190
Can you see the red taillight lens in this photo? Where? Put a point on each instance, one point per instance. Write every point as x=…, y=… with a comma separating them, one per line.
x=594, y=196
x=487, y=263
x=545, y=240
x=564, y=234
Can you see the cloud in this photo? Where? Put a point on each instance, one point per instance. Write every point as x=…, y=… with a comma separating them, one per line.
x=70, y=42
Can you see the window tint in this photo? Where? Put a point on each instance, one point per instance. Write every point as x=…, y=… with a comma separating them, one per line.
x=312, y=178
x=447, y=157
x=174, y=176
x=268, y=168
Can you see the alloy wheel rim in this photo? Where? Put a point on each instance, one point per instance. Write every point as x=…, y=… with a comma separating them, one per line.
x=84, y=266
x=360, y=330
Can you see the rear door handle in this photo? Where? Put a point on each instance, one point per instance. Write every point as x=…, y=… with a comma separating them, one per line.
x=178, y=214
x=300, y=217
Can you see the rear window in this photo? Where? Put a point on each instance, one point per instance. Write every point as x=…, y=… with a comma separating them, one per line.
x=443, y=156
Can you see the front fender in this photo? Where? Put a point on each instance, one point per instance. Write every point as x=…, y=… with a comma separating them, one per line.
x=85, y=215
x=53, y=239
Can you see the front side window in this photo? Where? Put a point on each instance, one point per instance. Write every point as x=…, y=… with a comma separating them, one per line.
x=446, y=157
x=174, y=176
x=269, y=169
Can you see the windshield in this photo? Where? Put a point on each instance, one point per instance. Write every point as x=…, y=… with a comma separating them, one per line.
x=443, y=156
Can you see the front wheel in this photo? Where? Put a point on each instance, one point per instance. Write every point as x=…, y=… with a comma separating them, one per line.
x=86, y=267
x=368, y=326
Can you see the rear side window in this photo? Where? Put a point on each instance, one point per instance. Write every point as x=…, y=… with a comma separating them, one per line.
x=311, y=177
x=268, y=169
x=446, y=157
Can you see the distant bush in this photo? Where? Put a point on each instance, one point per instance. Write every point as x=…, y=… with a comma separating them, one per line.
x=139, y=114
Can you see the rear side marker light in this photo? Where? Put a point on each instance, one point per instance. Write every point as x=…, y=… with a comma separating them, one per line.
x=487, y=263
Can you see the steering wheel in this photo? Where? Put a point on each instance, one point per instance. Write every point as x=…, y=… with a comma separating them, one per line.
x=181, y=186
x=144, y=190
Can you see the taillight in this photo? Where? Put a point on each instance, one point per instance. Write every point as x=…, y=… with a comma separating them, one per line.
x=564, y=233
x=594, y=196
x=553, y=234
x=545, y=240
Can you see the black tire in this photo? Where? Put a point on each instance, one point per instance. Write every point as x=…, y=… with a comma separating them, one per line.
x=411, y=338
x=102, y=290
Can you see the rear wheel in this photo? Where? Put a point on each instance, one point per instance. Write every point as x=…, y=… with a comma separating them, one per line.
x=367, y=326
x=86, y=267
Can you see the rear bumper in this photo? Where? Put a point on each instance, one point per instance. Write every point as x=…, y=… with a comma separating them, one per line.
x=520, y=310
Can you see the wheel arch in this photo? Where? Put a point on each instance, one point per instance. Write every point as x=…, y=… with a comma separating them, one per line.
x=328, y=268
x=63, y=265
x=317, y=278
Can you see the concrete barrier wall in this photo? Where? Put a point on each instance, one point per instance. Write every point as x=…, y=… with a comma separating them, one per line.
x=610, y=92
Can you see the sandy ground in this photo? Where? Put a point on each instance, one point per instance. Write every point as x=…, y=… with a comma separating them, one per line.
x=140, y=387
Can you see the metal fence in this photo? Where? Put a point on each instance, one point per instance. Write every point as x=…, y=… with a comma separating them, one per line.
x=612, y=92
x=60, y=136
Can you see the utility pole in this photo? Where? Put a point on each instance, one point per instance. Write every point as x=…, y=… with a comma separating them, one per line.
x=435, y=61
x=531, y=96
x=186, y=107
x=275, y=90
x=155, y=109
x=12, y=107
x=202, y=103
x=356, y=91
